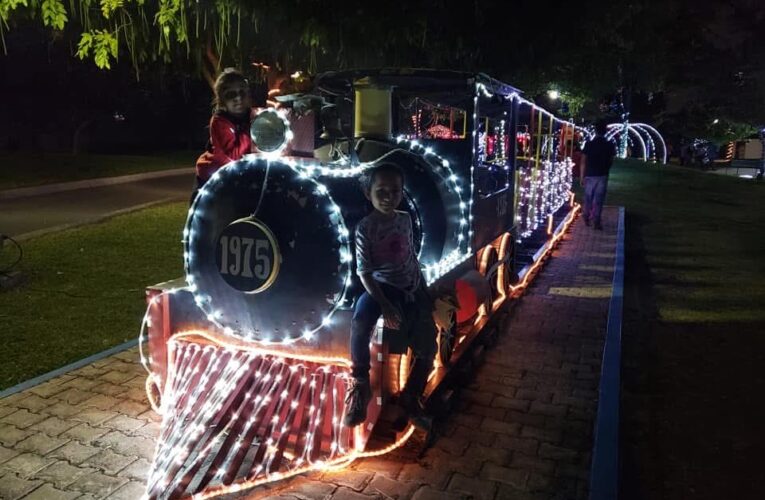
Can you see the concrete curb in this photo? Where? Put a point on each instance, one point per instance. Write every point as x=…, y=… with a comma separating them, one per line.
x=27, y=384
x=91, y=220
x=604, y=472
x=12, y=194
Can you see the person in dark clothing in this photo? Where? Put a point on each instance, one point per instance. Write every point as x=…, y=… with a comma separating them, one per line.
x=597, y=158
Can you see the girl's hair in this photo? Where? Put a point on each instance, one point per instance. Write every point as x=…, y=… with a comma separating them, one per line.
x=227, y=78
x=368, y=177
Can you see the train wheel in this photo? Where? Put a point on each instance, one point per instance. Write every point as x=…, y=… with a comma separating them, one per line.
x=446, y=341
x=491, y=337
x=442, y=405
x=404, y=369
x=464, y=373
x=504, y=272
x=487, y=259
x=154, y=394
x=478, y=355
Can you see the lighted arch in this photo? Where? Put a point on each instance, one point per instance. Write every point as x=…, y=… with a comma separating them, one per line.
x=650, y=131
x=617, y=128
x=649, y=142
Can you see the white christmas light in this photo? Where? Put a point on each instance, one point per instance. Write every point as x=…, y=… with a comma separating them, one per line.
x=198, y=392
x=206, y=303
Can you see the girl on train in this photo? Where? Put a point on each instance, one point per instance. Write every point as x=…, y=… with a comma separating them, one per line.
x=386, y=263
x=229, y=125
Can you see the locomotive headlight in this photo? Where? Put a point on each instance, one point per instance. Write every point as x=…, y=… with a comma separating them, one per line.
x=270, y=132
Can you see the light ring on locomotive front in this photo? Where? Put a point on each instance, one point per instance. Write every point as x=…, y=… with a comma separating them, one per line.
x=280, y=218
x=271, y=132
x=456, y=193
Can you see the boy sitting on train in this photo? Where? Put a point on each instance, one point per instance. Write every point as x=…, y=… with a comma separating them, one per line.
x=387, y=265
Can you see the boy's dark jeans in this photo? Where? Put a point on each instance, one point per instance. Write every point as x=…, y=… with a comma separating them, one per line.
x=416, y=322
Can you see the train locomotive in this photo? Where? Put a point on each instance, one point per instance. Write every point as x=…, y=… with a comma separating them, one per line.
x=248, y=354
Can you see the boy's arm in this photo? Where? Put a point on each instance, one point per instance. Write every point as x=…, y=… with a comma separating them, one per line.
x=363, y=269
x=373, y=289
x=423, y=281
x=391, y=316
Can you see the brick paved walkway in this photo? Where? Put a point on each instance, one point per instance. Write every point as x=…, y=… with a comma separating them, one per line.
x=522, y=428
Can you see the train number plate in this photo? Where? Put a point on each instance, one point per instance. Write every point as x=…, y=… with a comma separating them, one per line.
x=247, y=255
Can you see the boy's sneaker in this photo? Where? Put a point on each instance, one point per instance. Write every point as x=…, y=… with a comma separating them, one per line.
x=356, y=400
x=415, y=411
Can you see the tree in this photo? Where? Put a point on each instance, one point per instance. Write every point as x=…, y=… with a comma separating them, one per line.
x=689, y=53
x=204, y=33
x=284, y=34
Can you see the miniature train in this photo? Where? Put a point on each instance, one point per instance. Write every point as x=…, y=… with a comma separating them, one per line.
x=248, y=354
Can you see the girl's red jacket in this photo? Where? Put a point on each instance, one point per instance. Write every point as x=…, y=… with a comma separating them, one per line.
x=229, y=141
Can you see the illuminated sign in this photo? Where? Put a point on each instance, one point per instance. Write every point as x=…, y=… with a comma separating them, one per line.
x=247, y=255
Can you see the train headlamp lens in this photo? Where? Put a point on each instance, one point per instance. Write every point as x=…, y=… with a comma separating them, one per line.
x=270, y=132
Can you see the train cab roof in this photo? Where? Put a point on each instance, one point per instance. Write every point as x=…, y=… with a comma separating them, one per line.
x=412, y=79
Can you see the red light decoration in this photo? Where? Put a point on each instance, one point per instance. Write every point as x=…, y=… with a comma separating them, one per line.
x=237, y=418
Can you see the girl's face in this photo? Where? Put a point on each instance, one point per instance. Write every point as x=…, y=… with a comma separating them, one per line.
x=386, y=192
x=235, y=98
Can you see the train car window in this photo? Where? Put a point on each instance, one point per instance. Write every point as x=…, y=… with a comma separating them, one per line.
x=492, y=156
x=523, y=143
x=422, y=118
x=567, y=142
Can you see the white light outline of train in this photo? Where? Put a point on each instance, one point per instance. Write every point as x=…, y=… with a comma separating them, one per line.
x=307, y=169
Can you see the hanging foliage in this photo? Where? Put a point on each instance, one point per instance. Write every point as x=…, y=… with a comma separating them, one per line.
x=145, y=31
x=285, y=34
x=587, y=50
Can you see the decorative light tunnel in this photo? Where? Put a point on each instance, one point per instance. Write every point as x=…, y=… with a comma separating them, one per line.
x=645, y=135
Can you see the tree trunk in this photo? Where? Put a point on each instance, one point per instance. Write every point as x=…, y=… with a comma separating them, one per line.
x=210, y=69
x=78, y=134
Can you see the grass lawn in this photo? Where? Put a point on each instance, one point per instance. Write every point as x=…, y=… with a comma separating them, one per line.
x=31, y=169
x=703, y=238
x=85, y=289
x=693, y=333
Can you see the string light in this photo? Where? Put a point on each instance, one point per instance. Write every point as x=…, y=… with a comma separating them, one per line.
x=433, y=270
x=643, y=132
x=618, y=129
x=294, y=402
x=651, y=131
x=528, y=273
x=207, y=303
x=544, y=185
x=270, y=390
x=286, y=139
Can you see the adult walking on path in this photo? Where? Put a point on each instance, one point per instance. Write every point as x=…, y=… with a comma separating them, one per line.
x=597, y=158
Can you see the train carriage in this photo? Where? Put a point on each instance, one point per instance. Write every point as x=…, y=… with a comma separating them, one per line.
x=248, y=354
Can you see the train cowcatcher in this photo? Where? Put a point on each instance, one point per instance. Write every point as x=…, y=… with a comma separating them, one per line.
x=248, y=353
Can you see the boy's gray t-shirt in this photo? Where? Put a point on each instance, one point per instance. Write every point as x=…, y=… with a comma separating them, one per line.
x=385, y=249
